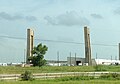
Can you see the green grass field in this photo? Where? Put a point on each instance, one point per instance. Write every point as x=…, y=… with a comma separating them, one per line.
x=44, y=69
x=50, y=69
x=63, y=82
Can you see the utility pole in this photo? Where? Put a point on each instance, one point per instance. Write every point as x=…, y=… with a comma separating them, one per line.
x=75, y=60
x=111, y=57
x=58, y=58
x=119, y=51
x=96, y=55
x=24, y=55
x=87, y=46
x=70, y=58
x=115, y=57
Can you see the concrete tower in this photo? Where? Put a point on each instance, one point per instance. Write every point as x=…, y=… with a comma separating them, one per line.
x=30, y=40
x=87, y=46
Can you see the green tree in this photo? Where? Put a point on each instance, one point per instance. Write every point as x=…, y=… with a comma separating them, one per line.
x=38, y=55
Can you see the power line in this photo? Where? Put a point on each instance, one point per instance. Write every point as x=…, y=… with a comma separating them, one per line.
x=11, y=37
x=104, y=44
x=55, y=41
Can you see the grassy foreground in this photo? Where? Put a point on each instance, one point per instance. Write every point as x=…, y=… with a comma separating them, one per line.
x=50, y=69
x=44, y=69
x=62, y=82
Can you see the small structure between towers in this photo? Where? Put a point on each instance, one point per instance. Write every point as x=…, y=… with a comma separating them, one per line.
x=30, y=42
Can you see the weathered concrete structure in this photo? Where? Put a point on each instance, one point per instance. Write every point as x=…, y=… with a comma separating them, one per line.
x=78, y=61
x=30, y=41
x=75, y=61
x=87, y=46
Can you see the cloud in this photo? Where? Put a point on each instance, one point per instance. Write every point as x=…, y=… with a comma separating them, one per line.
x=31, y=18
x=6, y=16
x=97, y=16
x=67, y=19
x=117, y=11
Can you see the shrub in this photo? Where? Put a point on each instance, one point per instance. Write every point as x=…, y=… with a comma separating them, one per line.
x=27, y=75
x=110, y=76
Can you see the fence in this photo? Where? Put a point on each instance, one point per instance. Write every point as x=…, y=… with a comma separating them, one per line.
x=54, y=75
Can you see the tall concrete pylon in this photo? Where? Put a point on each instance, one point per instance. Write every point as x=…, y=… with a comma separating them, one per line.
x=87, y=46
x=30, y=42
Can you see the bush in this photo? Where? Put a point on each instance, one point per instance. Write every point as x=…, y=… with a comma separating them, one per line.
x=110, y=76
x=27, y=75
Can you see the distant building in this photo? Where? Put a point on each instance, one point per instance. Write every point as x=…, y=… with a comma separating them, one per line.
x=56, y=63
x=72, y=61
x=75, y=61
x=3, y=64
x=107, y=62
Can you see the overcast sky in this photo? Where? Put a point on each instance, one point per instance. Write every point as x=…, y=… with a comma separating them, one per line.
x=60, y=20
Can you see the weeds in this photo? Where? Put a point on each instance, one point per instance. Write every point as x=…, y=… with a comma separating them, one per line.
x=109, y=76
x=27, y=75
x=74, y=78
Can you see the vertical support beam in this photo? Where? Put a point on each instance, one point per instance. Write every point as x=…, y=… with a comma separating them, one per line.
x=30, y=40
x=75, y=60
x=58, y=58
x=119, y=51
x=87, y=46
x=24, y=56
x=70, y=59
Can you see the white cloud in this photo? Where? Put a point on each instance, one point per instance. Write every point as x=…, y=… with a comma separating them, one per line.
x=67, y=19
x=6, y=16
x=117, y=11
